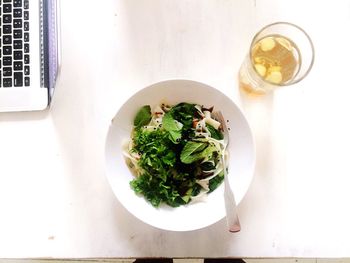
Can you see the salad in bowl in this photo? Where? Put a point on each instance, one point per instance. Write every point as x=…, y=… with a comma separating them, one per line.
x=175, y=153
x=163, y=154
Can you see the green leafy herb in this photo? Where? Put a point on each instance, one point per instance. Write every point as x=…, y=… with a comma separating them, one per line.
x=169, y=123
x=215, y=182
x=207, y=166
x=185, y=113
x=172, y=126
x=170, y=159
x=195, y=151
x=158, y=182
x=216, y=134
x=192, y=151
x=143, y=116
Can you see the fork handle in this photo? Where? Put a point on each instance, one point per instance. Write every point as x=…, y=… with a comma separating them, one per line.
x=231, y=210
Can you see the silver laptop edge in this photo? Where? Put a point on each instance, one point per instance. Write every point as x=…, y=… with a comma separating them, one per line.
x=51, y=46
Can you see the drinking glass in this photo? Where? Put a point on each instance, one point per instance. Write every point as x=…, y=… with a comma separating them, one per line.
x=281, y=54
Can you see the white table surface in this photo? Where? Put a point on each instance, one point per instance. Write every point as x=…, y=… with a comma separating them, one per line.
x=54, y=197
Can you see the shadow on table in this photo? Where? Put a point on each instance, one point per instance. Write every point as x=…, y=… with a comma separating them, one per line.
x=24, y=116
x=259, y=112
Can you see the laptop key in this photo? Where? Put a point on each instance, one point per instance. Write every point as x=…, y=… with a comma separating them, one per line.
x=7, y=50
x=26, y=4
x=26, y=59
x=17, y=44
x=7, y=8
x=17, y=55
x=26, y=15
x=26, y=81
x=7, y=61
x=17, y=3
x=18, y=79
x=7, y=29
x=26, y=37
x=17, y=23
x=7, y=19
x=7, y=82
x=26, y=26
x=17, y=33
x=18, y=65
x=7, y=39
x=26, y=48
x=7, y=71
x=17, y=12
x=26, y=70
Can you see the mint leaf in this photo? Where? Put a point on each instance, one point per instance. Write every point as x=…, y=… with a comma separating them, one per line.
x=207, y=152
x=173, y=127
x=175, y=136
x=216, y=134
x=143, y=116
x=195, y=151
x=185, y=113
x=192, y=151
x=169, y=123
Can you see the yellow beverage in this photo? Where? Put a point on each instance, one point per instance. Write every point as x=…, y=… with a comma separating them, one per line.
x=275, y=60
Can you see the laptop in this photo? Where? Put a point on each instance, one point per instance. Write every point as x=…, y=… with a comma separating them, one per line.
x=29, y=54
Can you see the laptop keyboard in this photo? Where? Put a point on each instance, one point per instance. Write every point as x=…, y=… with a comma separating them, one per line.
x=14, y=43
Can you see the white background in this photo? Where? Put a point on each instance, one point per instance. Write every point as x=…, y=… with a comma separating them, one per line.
x=54, y=198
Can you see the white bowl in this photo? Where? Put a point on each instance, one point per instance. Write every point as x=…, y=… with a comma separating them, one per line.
x=241, y=151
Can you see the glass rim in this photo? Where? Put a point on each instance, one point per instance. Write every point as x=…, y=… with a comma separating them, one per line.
x=255, y=38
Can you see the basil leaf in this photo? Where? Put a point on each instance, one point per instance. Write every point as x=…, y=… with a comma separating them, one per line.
x=143, y=116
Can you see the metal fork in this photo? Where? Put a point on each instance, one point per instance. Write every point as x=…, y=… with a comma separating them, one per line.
x=230, y=203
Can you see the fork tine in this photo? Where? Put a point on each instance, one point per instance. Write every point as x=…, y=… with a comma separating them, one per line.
x=219, y=117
